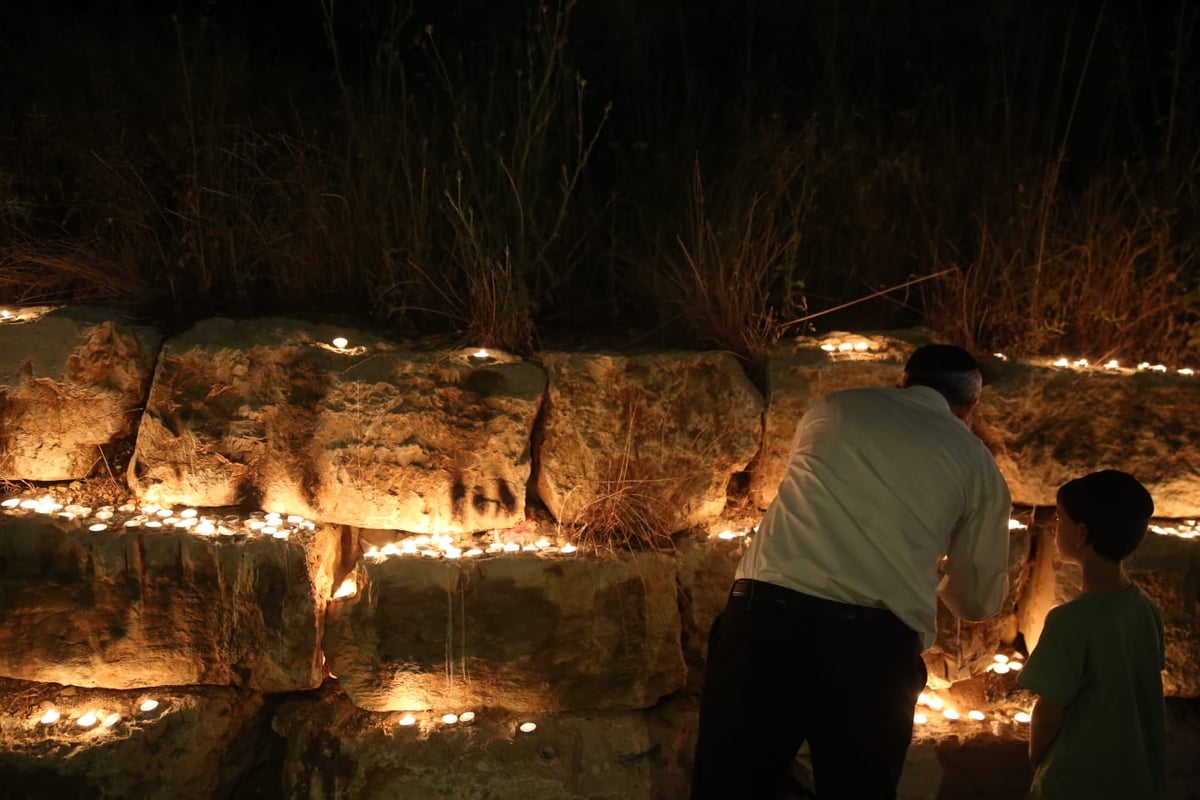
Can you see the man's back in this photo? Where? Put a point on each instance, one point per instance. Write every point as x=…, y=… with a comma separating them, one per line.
x=879, y=484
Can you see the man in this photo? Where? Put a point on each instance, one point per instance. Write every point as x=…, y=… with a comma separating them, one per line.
x=888, y=501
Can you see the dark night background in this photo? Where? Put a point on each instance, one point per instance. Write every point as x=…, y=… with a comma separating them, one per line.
x=382, y=160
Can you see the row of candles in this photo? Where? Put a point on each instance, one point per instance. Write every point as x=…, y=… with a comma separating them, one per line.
x=102, y=719
x=846, y=347
x=91, y=718
x=153, y=517
x=1001, y=664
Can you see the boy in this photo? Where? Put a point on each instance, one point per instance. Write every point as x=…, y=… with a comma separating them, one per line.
x=1098, y=729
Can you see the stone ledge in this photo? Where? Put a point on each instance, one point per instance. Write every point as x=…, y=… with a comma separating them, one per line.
x=520, y=632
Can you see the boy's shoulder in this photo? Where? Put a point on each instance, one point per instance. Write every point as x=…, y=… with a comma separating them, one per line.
x=1089, y=605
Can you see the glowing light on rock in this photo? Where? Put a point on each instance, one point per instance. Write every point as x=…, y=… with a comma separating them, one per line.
x=110, y=720
x=51, y=716
x=1000, y=658
x=1062, y=362
x=1000, y=356
x=466, y=716
x=348, y=588
x=481, y=354
x=97, y=527
x=568, y=548
x=87, y=720
x=1016, y=525
x=11, y=502
x=527, y=727
x=920, y=719
x=407, y=720
x=951, y=714
x=999, y=669
x=976, y=715
x=935, y=702
x=449, y=719
x=1112, y=364
x=148, y=705
x=340, y=342
x=188, y=513
x=829, y=348
x=1021, y=716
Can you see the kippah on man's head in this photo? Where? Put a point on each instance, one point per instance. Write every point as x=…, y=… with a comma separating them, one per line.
x=950, y=370
x=940, y=358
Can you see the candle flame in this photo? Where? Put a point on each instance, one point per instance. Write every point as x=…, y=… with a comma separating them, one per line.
x=348, y=588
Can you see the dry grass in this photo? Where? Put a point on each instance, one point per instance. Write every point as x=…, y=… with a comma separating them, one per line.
x=1095, y=276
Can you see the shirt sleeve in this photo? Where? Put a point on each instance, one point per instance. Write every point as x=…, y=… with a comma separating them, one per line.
x=1055, y=668
x=976, y=570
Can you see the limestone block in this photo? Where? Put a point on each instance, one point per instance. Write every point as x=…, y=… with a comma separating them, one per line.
x=1167, y=568
x=269, y=413
x=966, y=648
x=649, y=440
x=132, y=608
x=199, y=742
x=1049, y=425
x=520, y=631
x=72, y=381
x=335, y=750
x=800, y=372
x=706, y=569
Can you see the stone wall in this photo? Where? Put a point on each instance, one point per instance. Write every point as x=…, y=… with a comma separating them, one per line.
x=413, y=531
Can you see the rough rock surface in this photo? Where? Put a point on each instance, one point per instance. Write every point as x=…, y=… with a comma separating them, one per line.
x=651, y=440
x=335, y=750
x=706, y=568
x=132, y=609
x=1048, y=425
x=72, y=382
x=198, y=743
x=522, y=632
x=269, y=413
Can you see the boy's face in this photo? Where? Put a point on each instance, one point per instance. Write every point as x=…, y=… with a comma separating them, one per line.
x=1069, y=536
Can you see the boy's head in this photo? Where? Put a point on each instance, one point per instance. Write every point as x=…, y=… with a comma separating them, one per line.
x=1114, y=508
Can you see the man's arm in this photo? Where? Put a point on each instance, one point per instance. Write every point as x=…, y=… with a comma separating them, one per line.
x=975, y=582
x=1044, y=727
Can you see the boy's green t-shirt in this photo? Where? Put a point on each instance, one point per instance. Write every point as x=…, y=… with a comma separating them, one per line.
x=1100, y=656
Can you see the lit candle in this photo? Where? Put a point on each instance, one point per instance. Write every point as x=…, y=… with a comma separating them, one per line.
x=148, y=705
x=348, y=589
x=951, y=714
x=466, y=716
x=920, y=719
x=340, y=342
x=1021, y=716
x=527, y=727
x=976, y=715
x=111, y=719
x=449, y=719
x=408, y=720
x=87, y=720
x=51, y=716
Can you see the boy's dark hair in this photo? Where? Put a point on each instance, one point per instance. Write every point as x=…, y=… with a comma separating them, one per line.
x=1114, y=506
x=948, y=369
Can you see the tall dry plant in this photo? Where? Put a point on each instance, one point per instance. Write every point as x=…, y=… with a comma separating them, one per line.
x=734, y=274
x=1096, y=275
